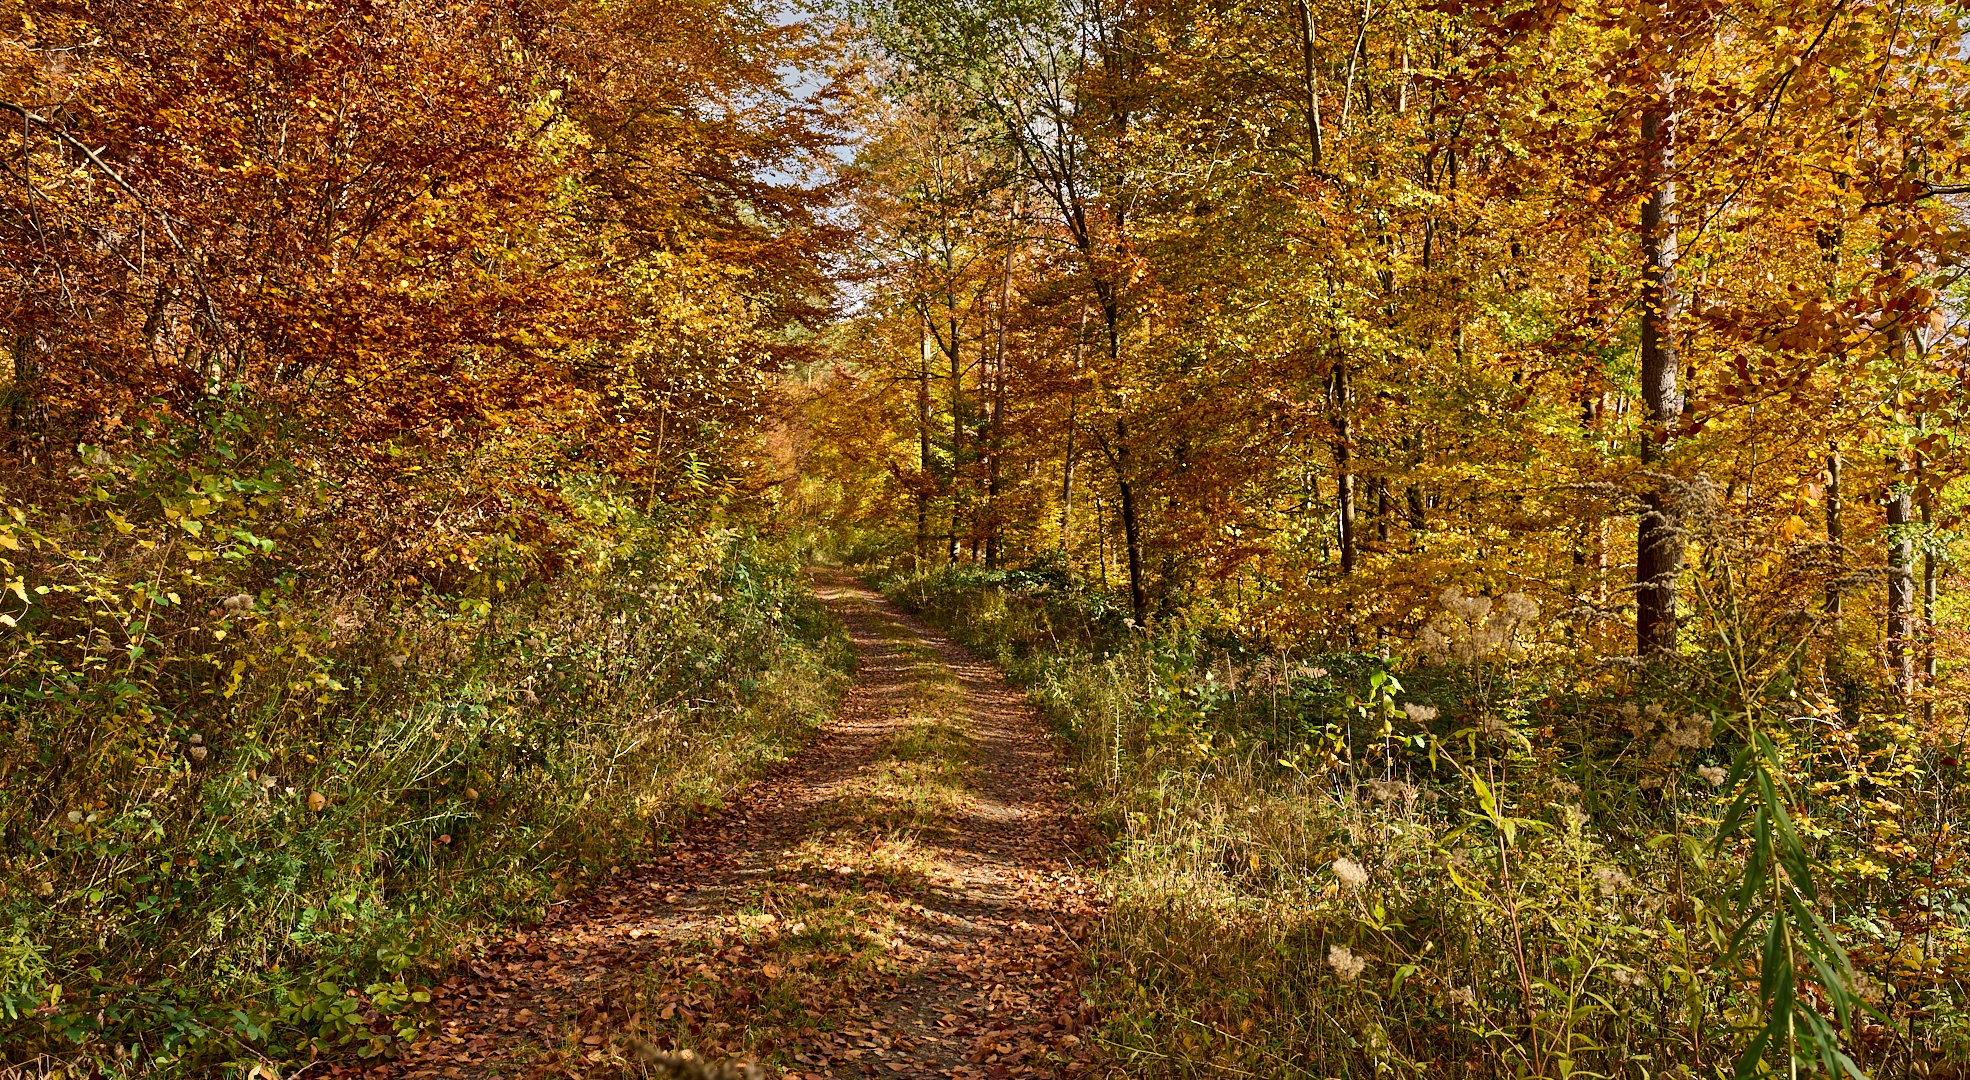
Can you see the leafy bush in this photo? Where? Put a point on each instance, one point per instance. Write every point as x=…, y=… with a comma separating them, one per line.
x=1479, y=861
x=250, y=806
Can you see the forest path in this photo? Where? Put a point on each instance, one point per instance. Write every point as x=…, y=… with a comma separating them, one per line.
x=905, y=898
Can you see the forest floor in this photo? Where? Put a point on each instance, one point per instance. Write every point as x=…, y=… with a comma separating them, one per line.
x=908, y=897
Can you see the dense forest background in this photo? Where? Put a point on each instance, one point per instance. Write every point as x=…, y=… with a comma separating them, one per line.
x=1482, y=486
x=1304, y=315
x=1479, y=488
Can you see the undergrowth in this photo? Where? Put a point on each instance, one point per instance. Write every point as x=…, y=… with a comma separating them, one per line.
x=1471, y=864
x=249, y=818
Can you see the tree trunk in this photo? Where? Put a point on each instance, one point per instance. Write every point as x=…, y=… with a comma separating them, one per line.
x=923, y=447
x=1658, y=539
x=996, y=449
x=956, y=354
x=1413, y=494
x=1067, y=458
x=1067, y=480
x=993, y=482
x=1343, y=464
x=1111, y=314
x=1929, y=570
x=1310, y=87
x=1900, y=622
x=1846, y=687
x=21, y=397
x=1131, y=527
x=1354, y=59
x=1310, y=505
x=1101, y=536
x=1835, y=532
x=656, y=460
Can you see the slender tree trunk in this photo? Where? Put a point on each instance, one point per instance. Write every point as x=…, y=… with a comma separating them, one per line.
x=656, y=460
x=1343, y=463
x=1413, y=493
x=956, y=354
x=22, y=404
x=1101, y=536
x=1836, y=534
x=982, y=527
x=1899, y=623
x=1845, y=685
x=1831, y=239
x=1067, y=478
x=993, y=479
x=1310, y=86
x=1073, y=421
x=1311, y=505
x=1131, y=527
x=1659, y=540
x=1929, y=571
x=1354, y=59
x=1111, y=314
x=923, y=445
x=1402, y=90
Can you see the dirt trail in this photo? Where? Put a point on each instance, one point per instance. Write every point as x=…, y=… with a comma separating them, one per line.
x=905, y=898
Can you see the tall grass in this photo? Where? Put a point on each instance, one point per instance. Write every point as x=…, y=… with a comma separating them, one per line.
x=249, y=819
x=1320, y=871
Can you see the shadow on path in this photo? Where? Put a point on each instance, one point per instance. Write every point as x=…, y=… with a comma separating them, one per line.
x=905, y=898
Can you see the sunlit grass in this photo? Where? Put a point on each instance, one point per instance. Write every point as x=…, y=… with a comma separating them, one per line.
x=446, y=777
x=1274, y=914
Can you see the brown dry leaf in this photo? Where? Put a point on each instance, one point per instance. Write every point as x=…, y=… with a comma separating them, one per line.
x=786, y=930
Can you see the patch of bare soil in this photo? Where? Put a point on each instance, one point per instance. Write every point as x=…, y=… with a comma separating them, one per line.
x=906, y=898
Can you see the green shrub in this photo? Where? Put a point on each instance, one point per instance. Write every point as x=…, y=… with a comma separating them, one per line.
x=246, y=813
x=1474, y=863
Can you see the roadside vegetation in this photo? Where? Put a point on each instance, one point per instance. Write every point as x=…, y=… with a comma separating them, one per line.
x=1482, y=488
x=1477, y=862
x=253, y=818
x=385, y=525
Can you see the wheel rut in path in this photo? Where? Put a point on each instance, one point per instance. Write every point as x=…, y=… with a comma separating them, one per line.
x=905, y=898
